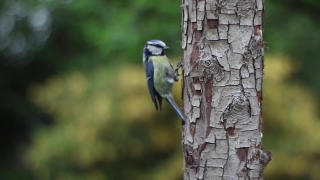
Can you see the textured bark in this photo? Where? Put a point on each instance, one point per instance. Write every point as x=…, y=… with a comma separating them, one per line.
x=222, y=94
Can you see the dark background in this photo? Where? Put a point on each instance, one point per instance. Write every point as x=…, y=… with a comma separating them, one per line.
x=74, y=102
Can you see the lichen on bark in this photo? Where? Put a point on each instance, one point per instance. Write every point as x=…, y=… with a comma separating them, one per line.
x=222, y=94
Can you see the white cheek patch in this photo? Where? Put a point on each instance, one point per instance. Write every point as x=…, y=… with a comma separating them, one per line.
x=154, y=50
x=144, y=58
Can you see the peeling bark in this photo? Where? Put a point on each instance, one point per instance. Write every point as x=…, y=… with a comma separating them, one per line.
x=222, y=94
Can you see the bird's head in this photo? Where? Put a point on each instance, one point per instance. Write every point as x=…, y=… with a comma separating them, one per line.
x=155, y=47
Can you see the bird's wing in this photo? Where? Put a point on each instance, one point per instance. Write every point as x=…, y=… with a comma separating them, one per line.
x=152, y=91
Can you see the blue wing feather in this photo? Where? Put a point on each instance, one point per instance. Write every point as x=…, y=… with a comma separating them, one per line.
x=153, y=93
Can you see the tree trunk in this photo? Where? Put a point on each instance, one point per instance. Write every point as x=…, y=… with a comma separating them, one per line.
x=222, y=94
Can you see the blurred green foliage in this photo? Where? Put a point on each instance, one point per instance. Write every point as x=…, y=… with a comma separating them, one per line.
x=74, y=102
x=104, y=125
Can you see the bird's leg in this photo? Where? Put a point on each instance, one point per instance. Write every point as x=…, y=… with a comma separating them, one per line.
x=176, y=74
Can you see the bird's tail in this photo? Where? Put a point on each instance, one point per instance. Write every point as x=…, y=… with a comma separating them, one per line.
x=176, y=108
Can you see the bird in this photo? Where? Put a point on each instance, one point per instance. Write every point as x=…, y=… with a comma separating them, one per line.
x=160, y=75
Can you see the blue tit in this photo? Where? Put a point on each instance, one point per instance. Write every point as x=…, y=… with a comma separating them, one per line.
x=160, y=75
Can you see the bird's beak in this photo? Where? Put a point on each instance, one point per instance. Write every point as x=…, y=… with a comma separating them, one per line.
x=166, y=47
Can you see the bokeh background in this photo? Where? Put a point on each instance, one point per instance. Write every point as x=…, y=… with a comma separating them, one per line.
x=74, y=103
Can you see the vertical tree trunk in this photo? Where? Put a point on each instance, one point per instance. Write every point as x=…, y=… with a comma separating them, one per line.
x=222, y=94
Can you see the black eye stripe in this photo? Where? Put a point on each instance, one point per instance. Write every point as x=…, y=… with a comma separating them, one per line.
x=157, y=45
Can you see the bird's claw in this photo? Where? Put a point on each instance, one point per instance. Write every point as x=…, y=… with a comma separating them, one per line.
x=179, y=65
x=176, y=78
